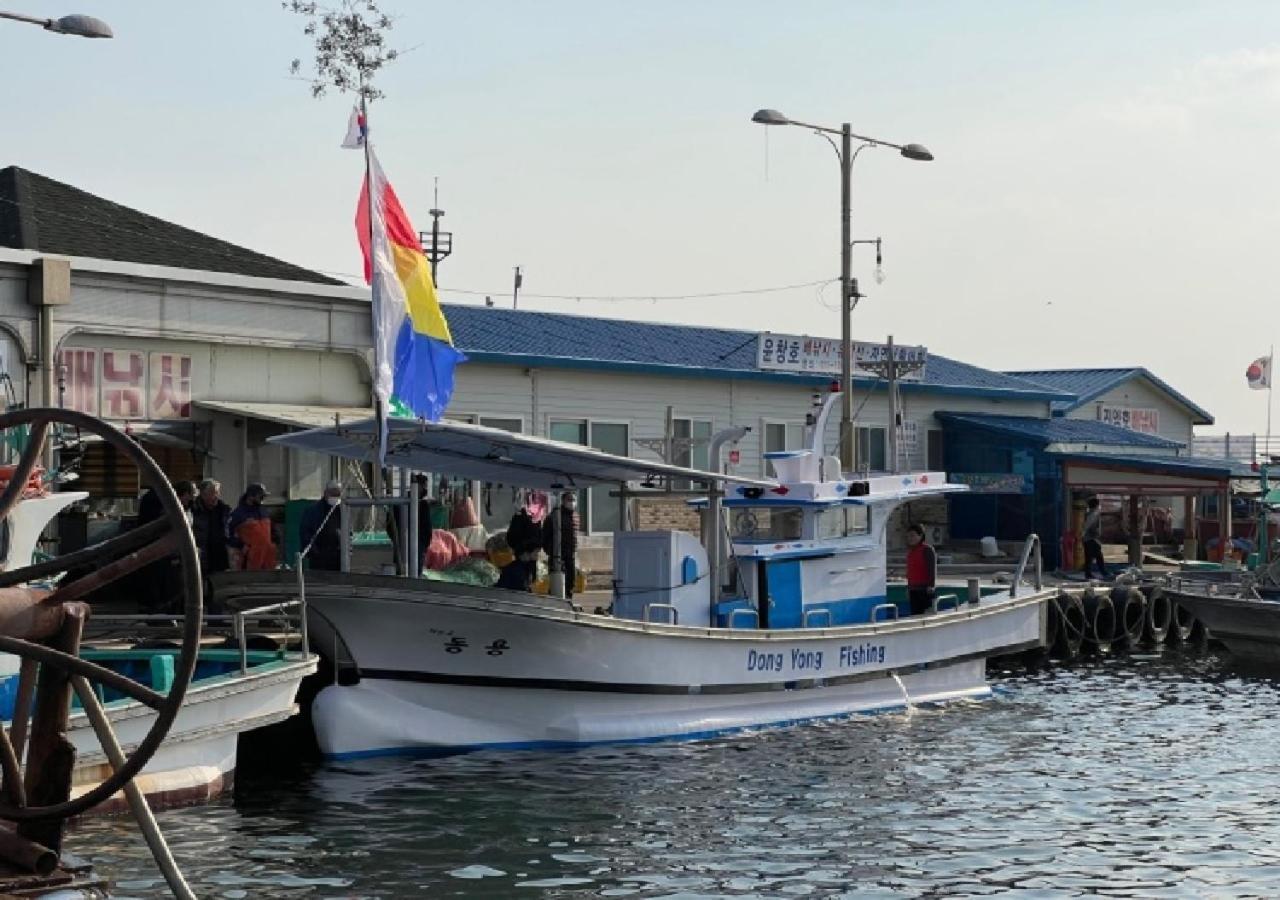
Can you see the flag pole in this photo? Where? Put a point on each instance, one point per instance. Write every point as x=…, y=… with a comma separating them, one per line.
x=379, y=410
x=1266, y=447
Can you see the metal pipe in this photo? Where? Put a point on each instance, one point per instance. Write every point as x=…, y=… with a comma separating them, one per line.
x=25, y=854
x=973, y=590
x=715, y=493
x=344, y=536
x=47, y=389
x=22, y=707
x=137, y=802
x=244, y=650
x=415, y=529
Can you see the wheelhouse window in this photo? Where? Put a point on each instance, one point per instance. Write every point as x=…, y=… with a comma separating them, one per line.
x=843, y=521
x=769, y=523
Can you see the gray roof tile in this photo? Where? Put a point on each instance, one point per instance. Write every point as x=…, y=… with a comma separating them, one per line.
x=38, y=213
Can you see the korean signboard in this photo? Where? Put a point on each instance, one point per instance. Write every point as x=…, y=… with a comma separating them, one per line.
x=126, y=384
x=1146, y=421
x=79, y=377
x=821, y=356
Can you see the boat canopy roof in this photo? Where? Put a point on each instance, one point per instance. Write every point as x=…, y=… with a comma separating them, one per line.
x=491, y=454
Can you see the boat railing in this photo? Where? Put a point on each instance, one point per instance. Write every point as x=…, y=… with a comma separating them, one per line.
x=744, y=611
x=944, y=598
x=891, y=607
x=1032, y=544
x=241, y=624
x=670, y=608
x=815, y=614
x=271, y=611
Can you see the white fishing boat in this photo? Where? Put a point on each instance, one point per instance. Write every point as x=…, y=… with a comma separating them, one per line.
x=791, y=622
x=235, y=689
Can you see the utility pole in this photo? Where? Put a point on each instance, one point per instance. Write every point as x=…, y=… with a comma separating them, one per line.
x=516, y=282
x=848, y=288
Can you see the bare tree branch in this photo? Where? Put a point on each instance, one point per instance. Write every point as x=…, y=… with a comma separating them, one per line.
x=350, y=46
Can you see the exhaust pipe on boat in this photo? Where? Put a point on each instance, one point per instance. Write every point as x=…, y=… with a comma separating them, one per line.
x=1159, y=614
x=1100, y=620
x=1131, y=615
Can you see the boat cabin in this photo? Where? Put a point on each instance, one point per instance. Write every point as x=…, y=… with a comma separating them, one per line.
x=805, y=551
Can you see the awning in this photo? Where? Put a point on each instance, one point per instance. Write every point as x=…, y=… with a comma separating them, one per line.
x=1147, y=475
x=490, y=454
x=289, y=413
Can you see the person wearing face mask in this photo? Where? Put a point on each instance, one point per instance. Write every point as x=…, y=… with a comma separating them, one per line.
x=321, y=530
x=560, y=540
x=249, y=532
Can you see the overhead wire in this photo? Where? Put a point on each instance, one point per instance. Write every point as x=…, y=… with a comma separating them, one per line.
x=230, y=251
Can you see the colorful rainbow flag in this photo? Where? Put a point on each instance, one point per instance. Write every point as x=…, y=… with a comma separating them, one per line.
x=414, y=351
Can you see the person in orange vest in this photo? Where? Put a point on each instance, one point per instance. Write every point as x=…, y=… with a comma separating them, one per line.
x=249, y=532
x=922, y=570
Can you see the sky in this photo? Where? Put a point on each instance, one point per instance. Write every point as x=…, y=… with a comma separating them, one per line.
x=1103, y=192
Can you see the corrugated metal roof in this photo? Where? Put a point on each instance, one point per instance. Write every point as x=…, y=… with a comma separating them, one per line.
x=1088, y=384
x=290, y=413
x=1059, y=430
x=493, y=334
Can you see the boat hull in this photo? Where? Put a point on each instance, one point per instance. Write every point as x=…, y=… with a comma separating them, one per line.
x=381, y=717
x=196, y=762
x=1248, y=627
x=445, y=667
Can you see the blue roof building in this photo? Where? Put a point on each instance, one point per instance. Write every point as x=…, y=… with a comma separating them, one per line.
x=1131, y=396
x=564, y=341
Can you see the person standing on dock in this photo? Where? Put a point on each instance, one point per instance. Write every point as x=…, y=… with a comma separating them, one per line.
x=209, y=516
x=1091, y=536
x=922, y=571
x=249, y=532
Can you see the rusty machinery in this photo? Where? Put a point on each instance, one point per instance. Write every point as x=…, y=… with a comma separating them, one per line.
x=43, y=626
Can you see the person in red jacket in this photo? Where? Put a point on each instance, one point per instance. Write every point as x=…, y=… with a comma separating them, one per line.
x=922, y=570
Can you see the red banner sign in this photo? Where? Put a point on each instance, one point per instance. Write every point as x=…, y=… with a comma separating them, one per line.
x=170, y=386
x=78, y=376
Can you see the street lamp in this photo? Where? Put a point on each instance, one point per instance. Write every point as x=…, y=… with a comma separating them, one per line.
x=847, y=286
x=81, y=26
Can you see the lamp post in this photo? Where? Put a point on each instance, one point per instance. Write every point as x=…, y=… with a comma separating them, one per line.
x=81, y=26
x=847, y=155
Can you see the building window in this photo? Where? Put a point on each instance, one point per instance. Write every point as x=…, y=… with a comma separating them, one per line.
x=515, y=426
x=695, y=454
x=597, y=511
x=872, y=449
x=266, y=463
x=778, y=436
x=693, y=448
x=937, y=460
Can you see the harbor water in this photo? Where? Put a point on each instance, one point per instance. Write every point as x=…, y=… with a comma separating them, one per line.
x=1120, y=776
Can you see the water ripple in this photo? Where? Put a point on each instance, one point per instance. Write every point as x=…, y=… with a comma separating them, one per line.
x=1117, y=777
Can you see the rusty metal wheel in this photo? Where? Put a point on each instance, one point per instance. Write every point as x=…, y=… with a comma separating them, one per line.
x=109, y=561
